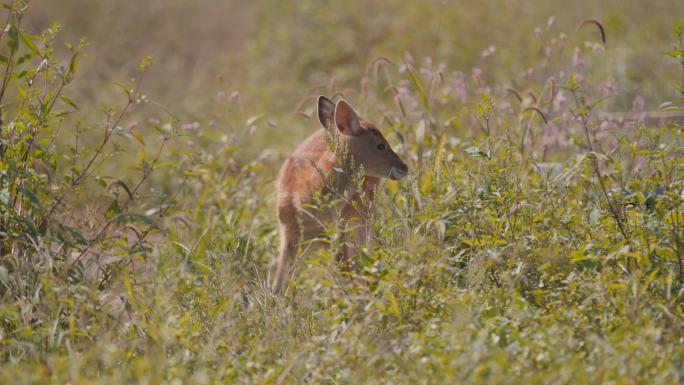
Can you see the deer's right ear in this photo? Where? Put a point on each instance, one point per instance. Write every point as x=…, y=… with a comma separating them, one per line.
x=326, y=112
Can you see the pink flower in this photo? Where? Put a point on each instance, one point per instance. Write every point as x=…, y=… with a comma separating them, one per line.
x=460, y=87
x=638, y=104
x=232, y=164
x=506, y=106
x=577, y=60
x=605, y=125
x=607, y=88
x=559, y=100
x=190, y=126
x=596, y=47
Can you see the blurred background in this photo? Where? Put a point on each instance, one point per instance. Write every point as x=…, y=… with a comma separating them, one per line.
x=273, y=53
x=136, y=243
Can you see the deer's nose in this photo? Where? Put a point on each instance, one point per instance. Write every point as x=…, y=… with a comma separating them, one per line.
x=400, y=171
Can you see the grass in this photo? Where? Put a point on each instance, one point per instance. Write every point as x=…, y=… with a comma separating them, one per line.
x=535, y=240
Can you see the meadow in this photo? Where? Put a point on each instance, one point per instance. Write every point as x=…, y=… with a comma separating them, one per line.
x=538, y=239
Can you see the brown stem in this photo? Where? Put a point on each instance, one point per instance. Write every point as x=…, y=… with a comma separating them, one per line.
x=595, y=165
x=109, y=129
x=103, y=230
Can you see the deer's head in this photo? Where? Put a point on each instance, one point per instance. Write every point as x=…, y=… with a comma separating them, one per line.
x=365, y=144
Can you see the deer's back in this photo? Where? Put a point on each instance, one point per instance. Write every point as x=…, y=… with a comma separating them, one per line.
x=298, y=177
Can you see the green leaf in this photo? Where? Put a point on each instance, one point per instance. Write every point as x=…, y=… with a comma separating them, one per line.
x=31, y=196
x=23, y=59
x=113, y=209
x=393, y=305
x=129, y=218
x=69, y=102
x=420, y=139
x=475, y=151
x=28, y=40
x=138, y=136
x=253, y=119
x=13, y=39
x=73, y=64
x=419, y=86
x=74, y=234
x=675, y=53
x=4, y=275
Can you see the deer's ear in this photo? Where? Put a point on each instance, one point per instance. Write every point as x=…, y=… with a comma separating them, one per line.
x=346, y=119
x=326, y=112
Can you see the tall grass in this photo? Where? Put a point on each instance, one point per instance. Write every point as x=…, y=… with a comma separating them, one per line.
x=537, y=240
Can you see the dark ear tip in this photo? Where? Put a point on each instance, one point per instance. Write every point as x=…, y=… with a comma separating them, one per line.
x=324, y=99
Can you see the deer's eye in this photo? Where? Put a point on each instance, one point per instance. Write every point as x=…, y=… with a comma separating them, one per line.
x=381, y=147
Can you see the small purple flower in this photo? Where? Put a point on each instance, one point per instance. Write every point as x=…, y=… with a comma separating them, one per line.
x=596, y=47
x=488, y=52
x=607, y=88
x=232, y=164
x=506, y=107
x=577, y=60
x=408, y=57
x=548, y=51
x=638, y=104
x=460, y=87
x=559, y=100
x=550, y=22
x=605, y=125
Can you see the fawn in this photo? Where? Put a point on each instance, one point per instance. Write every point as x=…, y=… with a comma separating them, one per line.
x=326, y=164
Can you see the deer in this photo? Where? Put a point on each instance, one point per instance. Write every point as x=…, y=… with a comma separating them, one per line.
x=325, y=164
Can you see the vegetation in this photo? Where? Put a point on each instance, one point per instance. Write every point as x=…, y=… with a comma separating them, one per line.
x=538, y=239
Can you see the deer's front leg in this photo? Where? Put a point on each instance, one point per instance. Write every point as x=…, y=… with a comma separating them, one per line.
x=356, y=217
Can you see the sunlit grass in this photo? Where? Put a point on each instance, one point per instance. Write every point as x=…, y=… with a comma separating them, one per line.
x=535, y=241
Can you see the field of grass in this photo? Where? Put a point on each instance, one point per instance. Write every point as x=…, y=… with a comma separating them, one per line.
x=538, y=239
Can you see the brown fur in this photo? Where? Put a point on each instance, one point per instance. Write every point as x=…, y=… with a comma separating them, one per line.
x=315, y=168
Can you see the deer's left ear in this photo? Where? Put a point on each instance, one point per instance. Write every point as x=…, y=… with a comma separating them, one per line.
x=326, y=112
x=346, y=119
